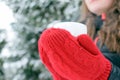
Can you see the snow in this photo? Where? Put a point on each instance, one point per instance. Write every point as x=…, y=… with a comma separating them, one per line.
x=6, y=18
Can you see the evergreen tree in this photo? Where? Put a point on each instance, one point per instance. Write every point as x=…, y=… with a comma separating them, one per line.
x=32, y=17
x=2, y=44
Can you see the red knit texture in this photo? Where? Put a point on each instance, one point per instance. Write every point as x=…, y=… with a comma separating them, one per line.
x=71, y=58
x=45, y=60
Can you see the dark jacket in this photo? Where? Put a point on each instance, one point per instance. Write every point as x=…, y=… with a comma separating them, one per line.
x=113, y=57
x=115, y=61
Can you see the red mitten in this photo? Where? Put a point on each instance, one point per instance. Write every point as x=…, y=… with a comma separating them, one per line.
x=45, y=60
x=72, y=58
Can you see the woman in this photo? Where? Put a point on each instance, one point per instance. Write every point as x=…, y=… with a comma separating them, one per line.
x=103, y=21
x=103, y=26
x=77, y=58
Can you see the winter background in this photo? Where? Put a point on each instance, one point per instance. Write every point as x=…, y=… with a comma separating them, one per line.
x=21, y=23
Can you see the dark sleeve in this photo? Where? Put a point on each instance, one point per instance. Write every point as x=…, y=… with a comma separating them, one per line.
x=115, y=73
x=114, y=58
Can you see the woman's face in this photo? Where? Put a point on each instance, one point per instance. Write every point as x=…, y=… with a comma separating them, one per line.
x=98, y=6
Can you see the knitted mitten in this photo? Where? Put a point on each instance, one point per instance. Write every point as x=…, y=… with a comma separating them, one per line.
x=72, y=58
x=45, y=60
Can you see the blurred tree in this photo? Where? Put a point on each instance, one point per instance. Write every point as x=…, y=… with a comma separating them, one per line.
x=32, y=16
x=2, y=39
x=2, y=44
